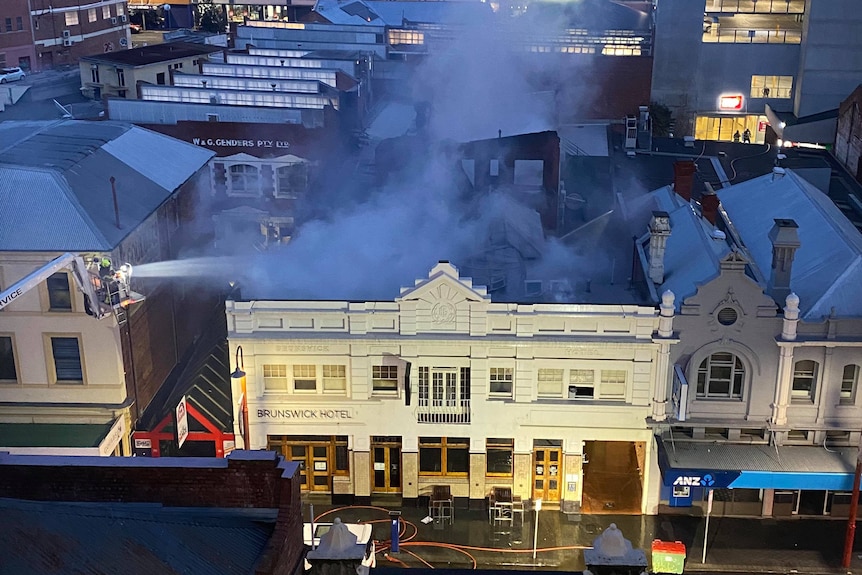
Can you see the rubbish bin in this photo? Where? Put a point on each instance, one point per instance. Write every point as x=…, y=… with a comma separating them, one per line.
x=668, y=557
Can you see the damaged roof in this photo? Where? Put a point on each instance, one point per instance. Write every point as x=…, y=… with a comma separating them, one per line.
x=59, y=172
x=397, y=14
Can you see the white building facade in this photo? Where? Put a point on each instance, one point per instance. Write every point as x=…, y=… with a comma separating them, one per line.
x=445, y=387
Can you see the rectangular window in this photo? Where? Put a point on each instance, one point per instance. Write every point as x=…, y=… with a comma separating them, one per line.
x=121, y=77
x=848, y=383
x=120, y=9
x=160, y=77
x=550, y=383
x=91, y=15
x=67, y=360
x=8, y=23
x=501, y=379
x=613, y=384
x=444, y=456
x=94, y=74
x=59, y=293
x=106, y=12
x=71, y=18
x=334, y=378
x=804, y=380
x=778, y=87
x=19, y=23
x=582, y=384
x=342, y=455
x=499, y=456
x=304, y=378
x=8, y=371
x=274, y=377
x=424, y=397
x=384, y=378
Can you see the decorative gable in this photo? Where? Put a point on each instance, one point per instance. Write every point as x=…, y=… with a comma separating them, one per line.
x=442, y=302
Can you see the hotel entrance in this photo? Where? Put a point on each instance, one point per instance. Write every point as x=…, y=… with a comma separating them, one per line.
x=547, y=469
x=319, y=457
x=386, y=464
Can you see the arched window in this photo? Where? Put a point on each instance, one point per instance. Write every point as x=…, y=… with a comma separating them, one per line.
x=720, y=376
x=244, y=180
x=849, y=379
x=292, y=180
x=804, y=380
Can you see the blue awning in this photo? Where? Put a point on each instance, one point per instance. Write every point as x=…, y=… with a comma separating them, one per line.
x=755, y=466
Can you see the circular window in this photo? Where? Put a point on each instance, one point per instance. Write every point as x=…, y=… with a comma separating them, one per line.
x=727, y=316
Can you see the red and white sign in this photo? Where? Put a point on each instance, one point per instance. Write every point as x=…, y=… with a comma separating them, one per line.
x=182, y=422
x=731, y=102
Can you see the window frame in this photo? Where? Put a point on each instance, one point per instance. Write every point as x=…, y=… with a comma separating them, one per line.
x=292, y=192
x=15, y=368
x=339, y=374
x=605, y=376
x=499, y=444
x=377, y=372
x=243, y=173
x=106, y=12
x=546, y=371
x=801, y=376
x=276, y=368
x=775, y=84
x=444, y=444
x=68, y=288
x=501, y=376
x=848, y=396
x=305, y=377
x=51, y=360
x=574, y=374
x=70, y=18
x=92, y=15
x=705, y=367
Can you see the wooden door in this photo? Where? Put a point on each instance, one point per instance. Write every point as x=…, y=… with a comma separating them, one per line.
x=547, y=473
x=386, y=467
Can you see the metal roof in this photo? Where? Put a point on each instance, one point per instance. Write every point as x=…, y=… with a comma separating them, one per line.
x=53, y=434
x=50, y=537
x=397, y=14
x=61, y=171
x=153, y=54
x=722, y=456
x=827, y=268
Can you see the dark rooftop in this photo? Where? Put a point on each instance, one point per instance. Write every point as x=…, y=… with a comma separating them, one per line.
x=153, y=54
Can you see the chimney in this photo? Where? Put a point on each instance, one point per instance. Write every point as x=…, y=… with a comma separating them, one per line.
x=785, y=242
x=709, y=205
x=659, y=232
x=683, y=178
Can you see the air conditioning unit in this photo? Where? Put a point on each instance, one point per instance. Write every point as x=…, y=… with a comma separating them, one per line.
x=114, y=20
x=122, y=17
x=67, y=42
x=66, y=34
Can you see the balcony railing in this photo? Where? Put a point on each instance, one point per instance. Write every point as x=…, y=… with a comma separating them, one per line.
x=457, y=411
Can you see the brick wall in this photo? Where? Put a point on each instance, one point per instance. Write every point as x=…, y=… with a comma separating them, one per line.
x=245, y=479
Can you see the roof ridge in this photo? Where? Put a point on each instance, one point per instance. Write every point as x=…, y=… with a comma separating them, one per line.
x=827, y=295
x=834, y=216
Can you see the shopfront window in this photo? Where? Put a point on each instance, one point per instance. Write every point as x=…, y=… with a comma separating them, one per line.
x=723, y=128
x=778, y=87
x=499, y=456
x=444, y=456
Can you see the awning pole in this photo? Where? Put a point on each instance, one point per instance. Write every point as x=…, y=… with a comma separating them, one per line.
x=706, y=527
x=851, y=521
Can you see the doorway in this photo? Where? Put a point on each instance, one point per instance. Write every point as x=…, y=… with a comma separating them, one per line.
x=547, y=469
x=613, y=480
x=386, y=464
x=319, y=457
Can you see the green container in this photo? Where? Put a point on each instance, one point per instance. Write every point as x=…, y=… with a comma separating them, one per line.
x=668, y=557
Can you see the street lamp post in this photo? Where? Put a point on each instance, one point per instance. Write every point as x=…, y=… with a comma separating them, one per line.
x=239, y=374
x=537, y=505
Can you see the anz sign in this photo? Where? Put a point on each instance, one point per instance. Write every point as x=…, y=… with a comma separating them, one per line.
x=695, y=480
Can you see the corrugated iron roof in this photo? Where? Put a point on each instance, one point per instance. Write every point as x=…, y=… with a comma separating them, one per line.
x=49, y=537
x=721, y=456
x=377, y=13
x=55, y=182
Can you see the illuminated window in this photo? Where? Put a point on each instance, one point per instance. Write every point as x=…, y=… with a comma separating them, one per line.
x=304, y=378
x=804, y=380
x=71, y=18
x=106, y=11
x=384, y=378
x=275, y=377
x=244, y=180
x=91, y=15
x=444, y=456
x=720, y=376
x=849, y=378
x=120, y=9
x=756, y=6
x=334, y=378
x=779, y=87
x=406, y=37
x=550, y=383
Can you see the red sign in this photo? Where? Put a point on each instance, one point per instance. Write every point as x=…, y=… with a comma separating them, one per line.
x=733, y=102
x=761, y=126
